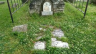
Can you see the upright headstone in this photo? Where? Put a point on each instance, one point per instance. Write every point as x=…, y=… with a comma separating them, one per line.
x=47, y=9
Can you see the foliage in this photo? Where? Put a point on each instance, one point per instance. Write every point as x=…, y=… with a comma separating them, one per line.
x=93, y=1
x=68, y=0
x=23, y=1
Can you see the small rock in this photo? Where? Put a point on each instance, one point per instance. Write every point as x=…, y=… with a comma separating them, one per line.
x=39, y=45
x=44, y=29
x=58, y=33
x=20, y=28
x=40, y=28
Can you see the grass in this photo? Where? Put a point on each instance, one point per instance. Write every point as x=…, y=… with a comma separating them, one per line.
x=80, y=33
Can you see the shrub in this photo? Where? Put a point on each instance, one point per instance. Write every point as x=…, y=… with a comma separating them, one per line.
x=93, y=1
x=23, y=1
x=68, y=0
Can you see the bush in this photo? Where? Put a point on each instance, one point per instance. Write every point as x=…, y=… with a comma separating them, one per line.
x=68, y=0
x=93, y=1
x=23, y=1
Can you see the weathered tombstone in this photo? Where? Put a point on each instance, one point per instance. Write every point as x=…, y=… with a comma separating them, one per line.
x=2, y=2
x=47, y=9
x=20, y=28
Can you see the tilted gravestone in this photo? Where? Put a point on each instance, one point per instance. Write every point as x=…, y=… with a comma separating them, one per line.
x=47, y=9
x=2, y=2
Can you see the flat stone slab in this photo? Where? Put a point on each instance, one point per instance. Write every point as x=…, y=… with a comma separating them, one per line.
x=20, y=28
x=58, y=33
x=59, y=44
x=2, y=2
x=39, y=45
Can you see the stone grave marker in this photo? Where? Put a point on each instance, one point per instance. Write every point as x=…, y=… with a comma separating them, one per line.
x=20, y=28
x=47, y=9
x=49, y=6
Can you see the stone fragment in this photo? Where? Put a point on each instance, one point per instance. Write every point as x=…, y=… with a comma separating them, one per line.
x=39, y=45
x=58, y=33
x=41, y=29
x=20, y=28
x=59, y=44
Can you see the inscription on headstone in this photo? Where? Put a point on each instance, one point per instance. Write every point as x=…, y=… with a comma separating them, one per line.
x=47, y=9
x=47, y=6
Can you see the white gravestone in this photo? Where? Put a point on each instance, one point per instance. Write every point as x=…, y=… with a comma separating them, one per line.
x=47, y=9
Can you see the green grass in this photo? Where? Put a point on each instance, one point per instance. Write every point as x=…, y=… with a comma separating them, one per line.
x=80, y=33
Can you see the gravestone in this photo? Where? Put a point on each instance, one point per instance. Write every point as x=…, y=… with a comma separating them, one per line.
x=2, y=2
x=47, y=9
x=35, y=6
x=20, y=28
